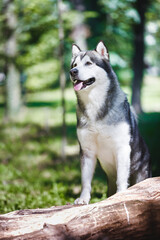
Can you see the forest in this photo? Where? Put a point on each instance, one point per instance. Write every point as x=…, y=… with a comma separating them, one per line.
x=39, y=152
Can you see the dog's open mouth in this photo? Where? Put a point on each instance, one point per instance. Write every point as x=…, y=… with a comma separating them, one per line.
x=78, y=84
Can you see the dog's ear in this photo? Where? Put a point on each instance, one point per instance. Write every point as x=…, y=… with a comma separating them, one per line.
x=75, y=50
x=102, y=50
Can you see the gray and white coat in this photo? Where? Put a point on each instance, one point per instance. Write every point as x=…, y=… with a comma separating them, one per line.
x=106, y=126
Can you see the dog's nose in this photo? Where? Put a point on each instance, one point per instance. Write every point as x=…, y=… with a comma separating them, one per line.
x=73, y=72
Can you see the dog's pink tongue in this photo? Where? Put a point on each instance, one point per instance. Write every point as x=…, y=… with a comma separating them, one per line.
x=78, y=86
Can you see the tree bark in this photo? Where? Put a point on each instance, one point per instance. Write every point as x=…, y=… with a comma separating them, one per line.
x=13, y=88
x=80, y=29
x=132, y=214
x=62, y=78
x=138, y=58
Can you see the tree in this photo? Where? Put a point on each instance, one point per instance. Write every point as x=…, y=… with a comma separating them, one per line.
x=13, y=88
x=138, y=58
x=62, y=77
x=80, y=29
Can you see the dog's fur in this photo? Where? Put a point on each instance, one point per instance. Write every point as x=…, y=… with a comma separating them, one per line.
x=106, y=126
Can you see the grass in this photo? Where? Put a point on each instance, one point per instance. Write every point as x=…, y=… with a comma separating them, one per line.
x=32, y=174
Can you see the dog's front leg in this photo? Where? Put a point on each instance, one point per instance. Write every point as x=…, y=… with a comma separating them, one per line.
x=123, y=168
x=88, y=162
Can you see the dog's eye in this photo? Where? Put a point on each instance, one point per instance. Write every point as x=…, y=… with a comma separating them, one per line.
x=88, y=63
x=75, y=65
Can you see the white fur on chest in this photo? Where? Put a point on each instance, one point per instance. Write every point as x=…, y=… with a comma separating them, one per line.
x=93, y=98
x=104, y=142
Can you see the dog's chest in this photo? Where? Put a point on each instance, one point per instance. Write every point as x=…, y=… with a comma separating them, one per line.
x=104, y=141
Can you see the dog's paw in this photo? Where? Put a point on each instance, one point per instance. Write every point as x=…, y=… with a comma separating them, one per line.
x=81, y=201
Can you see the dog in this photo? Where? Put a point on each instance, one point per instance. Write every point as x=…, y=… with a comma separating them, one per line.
x=106, y=124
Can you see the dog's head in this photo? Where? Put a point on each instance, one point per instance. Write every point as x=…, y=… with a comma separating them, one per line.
x=90, y=68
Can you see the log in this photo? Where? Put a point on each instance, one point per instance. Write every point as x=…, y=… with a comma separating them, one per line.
x=132, y=214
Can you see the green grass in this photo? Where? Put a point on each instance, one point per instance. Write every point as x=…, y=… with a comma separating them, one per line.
x=32, y=174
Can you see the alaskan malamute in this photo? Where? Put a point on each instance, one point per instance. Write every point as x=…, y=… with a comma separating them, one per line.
x=106, y=126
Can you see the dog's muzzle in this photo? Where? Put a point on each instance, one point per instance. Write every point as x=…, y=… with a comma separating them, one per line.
x=74, y=72
x=79, y=84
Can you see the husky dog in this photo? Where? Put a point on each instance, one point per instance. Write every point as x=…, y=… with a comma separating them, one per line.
x=106, y=126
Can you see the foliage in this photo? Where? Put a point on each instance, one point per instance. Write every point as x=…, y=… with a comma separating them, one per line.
x=31, y=172
x=152, y=37
x=114, y=24
x=38, y=41
x=42, y=75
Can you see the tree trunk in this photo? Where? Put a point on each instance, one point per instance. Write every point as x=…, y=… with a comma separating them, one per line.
x=80, y=29
x=138, y=58
x=101, y=20
x=62, y=79
x=13, y=88
x=13, y=91
x=132, y=214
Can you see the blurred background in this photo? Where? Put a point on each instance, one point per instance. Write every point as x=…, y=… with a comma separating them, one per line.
x=39, y=163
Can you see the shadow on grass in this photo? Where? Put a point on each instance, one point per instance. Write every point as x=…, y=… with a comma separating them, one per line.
x=20, y=139
x=70, y=105
x=149, y=124
x=42, y=104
